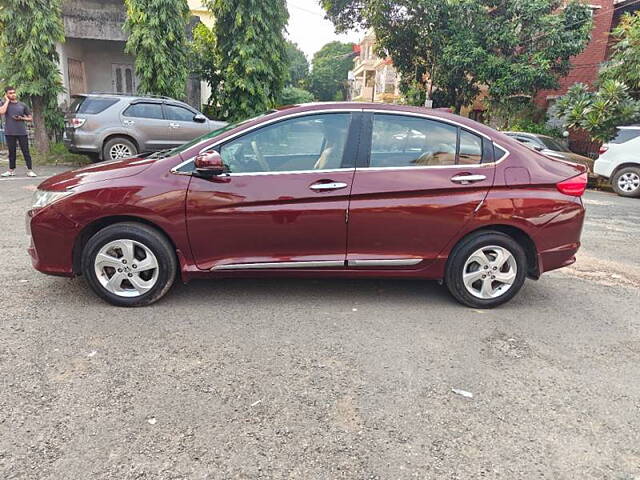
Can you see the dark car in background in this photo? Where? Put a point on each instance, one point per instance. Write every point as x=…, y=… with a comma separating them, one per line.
x=552, y=147
x=111, y=127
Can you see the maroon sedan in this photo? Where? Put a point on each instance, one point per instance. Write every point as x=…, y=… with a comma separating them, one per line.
x=321, y=190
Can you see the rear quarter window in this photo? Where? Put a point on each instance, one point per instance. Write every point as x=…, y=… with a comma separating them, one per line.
x=625, y=135
x=93, y=106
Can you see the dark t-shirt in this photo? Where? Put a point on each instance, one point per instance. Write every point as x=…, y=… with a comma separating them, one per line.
x=15, y=127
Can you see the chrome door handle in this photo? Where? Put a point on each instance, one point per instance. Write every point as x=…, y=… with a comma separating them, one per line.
x=128, y=123
x=174, y=125
x=465, y=179
x=327, y=186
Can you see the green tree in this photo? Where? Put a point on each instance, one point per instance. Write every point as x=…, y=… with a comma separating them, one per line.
x=295, y=95
x=251, y=56
x=203, y=60
x=158, y=39
x=616, y=99
x=515, y=48
x=29, y=32
x=298, y=65
x=329, y=73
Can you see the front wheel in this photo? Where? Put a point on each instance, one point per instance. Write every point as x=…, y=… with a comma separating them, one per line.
x=129, y=264
x=486, y=269
x=626, y=182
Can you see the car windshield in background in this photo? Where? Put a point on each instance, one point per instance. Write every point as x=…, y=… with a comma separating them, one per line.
x=553, y=144
x=626, y=134
x=210, y=135
x=91, y=105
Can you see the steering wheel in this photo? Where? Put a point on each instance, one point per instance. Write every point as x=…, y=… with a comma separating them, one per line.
x=259, y=156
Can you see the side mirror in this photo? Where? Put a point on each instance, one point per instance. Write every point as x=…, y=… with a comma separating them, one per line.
x=199, y=118
x=538, y=148
x=209, y=164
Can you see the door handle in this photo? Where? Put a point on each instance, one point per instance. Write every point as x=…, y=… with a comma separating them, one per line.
x=327, y=186
x=466, y=179
x=174, y=125
x=128, y=123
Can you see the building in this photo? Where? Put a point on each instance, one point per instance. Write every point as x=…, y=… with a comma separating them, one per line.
x=93, y=58
x=373, y=79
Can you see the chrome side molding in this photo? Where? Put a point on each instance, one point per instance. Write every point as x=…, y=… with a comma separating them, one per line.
x=395, y=262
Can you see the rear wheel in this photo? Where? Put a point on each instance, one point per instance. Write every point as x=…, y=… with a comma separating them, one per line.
x=626, y=182
x=129, y=264
x=486, y=269
x=118, y=148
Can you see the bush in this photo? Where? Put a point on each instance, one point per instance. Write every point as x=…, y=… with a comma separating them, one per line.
x=295, y=95
x=535, y=127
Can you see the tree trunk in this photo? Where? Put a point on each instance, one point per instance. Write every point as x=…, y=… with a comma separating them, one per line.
x=39, y=127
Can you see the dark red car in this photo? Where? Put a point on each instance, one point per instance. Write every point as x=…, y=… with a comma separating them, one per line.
x=331, y=190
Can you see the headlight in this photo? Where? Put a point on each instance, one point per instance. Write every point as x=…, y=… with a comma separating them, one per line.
x=42, y=198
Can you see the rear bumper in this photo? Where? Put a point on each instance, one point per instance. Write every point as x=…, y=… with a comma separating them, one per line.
x=78, y=141
x=603, y=168
x=52, y=236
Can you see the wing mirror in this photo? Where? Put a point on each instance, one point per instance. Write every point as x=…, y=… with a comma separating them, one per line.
x=199, y=118
x=209, y=164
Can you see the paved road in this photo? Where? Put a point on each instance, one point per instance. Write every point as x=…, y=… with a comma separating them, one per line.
x=325, y=379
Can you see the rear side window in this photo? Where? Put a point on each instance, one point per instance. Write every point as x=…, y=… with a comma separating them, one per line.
x=93, y=106
x=144, y=110
x=399, y=141
x=625, y=134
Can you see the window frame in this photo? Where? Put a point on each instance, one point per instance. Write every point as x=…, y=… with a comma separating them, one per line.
x=366, y=147
x=165, y=112
x=134, y=104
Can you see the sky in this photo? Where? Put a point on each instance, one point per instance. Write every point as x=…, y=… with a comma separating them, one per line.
x=310, y=30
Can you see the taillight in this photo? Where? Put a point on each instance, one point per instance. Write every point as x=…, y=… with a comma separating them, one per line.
x=77, y=122
x=574, y=186
x=603, y=149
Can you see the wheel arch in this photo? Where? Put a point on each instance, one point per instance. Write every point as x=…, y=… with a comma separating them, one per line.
x=624, y=165
x=94, y=227
x=520, y=236
x=111, y=136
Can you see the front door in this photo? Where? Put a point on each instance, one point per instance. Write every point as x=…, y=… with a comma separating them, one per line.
x=284, y=202
x=422, y=180
x=182, y=126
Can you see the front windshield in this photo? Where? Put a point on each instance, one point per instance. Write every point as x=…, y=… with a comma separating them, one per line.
x=553, y=144
x=209, y=136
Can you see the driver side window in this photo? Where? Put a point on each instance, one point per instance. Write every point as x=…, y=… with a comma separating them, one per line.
x=314, y=142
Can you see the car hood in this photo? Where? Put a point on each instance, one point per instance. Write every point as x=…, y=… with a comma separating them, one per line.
x=96, y=173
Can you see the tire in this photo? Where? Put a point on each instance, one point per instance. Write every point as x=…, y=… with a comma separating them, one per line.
x=151, y=267
x=118, y=148
x=93, y=157
x=472, y=255
x=626, y=182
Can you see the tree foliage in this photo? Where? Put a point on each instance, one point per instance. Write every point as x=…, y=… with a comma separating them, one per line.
x=514, y=47
x=298, y=65
x=295, y=95
x=203, y=60
x=616, y=100
x=158, y=39
x=250, y=56
x=331, y=65
x=29, y=32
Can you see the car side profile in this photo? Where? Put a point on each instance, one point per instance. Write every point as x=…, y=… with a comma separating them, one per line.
x=111, y=126
x=619, y=161
x=319, y=190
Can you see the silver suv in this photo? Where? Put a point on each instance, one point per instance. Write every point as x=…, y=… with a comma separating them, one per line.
x=110, y=126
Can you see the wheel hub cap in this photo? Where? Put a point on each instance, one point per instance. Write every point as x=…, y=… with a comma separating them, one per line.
x=489, y=272
x=119, y=151
x=126, y=268
x=629, y=182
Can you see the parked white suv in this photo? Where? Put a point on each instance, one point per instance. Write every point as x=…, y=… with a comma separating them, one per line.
x=619, y=161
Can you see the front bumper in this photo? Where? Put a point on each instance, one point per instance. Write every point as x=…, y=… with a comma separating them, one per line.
x=52, y=236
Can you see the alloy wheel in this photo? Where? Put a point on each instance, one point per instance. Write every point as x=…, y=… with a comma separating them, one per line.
x=126, y=268
x=489, y=272
x=120, y=150
x=629, y=182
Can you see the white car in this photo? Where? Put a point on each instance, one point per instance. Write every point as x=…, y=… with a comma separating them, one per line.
x=619, y=161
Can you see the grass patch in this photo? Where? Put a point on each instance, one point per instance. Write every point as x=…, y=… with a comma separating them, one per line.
x=58, y=155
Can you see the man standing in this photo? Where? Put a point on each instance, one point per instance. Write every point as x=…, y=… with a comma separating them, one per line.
x=16, y=115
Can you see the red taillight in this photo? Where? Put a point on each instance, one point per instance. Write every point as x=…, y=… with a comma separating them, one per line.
x=574, y=186
x=603, y=149
x=77, y=122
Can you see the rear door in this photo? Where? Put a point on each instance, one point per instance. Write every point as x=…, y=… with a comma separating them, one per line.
x=182, y=127
x=284, y=202
x=416, y=186
x=147, y=122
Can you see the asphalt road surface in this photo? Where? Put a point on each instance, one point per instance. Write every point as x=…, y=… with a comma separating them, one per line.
x=324, y=379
